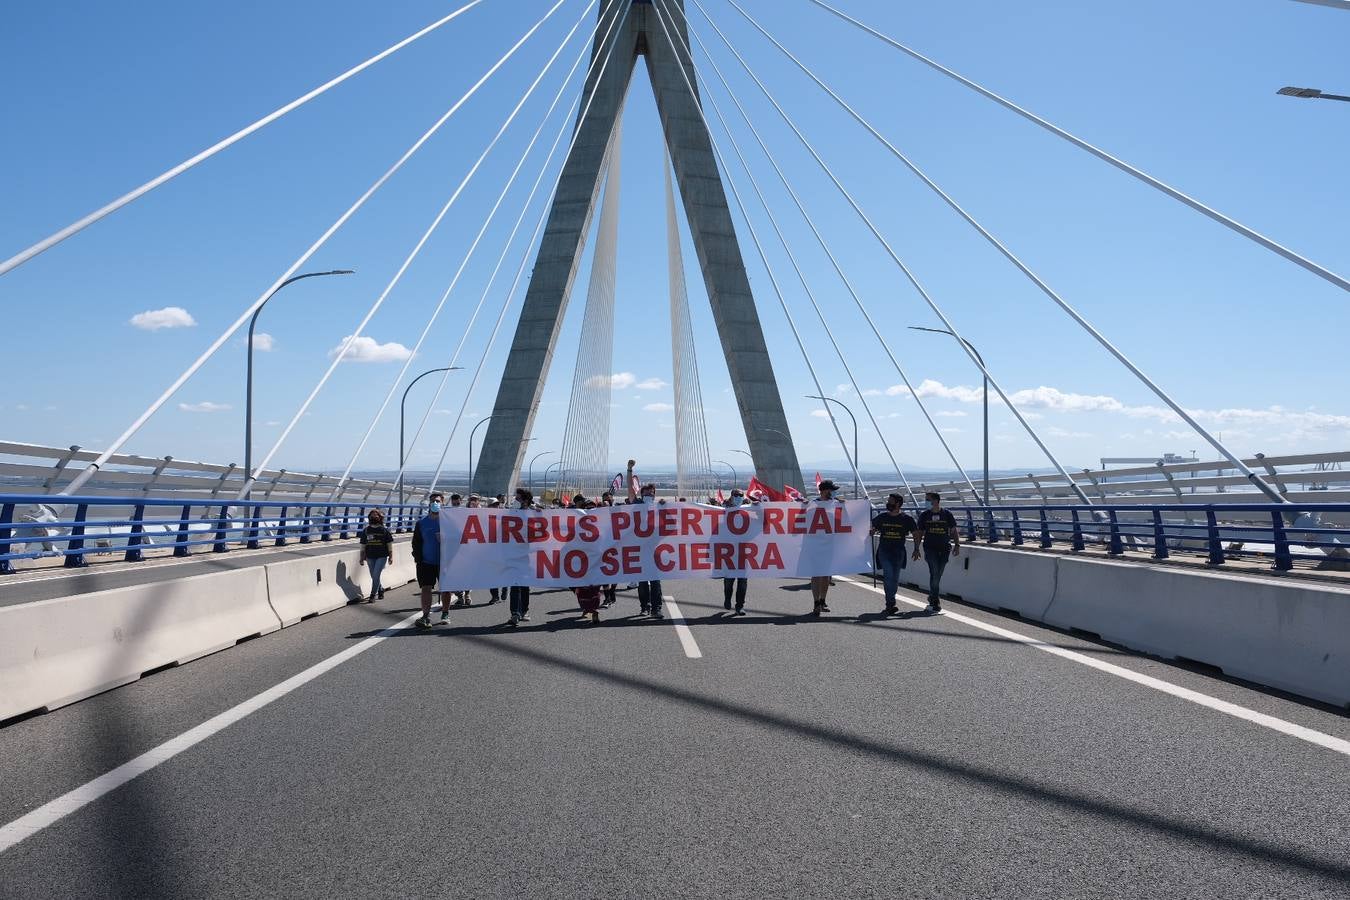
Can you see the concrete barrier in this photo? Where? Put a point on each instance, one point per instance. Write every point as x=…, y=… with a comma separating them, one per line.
x=54, y=652
x=315, y=584
x=1282, y=633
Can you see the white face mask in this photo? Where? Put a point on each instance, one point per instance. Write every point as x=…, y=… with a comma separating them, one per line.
x=737, y=501
x=648, y=498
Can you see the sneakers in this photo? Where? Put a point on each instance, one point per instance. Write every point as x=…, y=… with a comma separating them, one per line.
x=595, y=618
x=513, y=621
x=381, y=597
x=726, y=604
x=645, y=609
x=524, y=617
x=657, y=614
x=423, y=622
x=740, y=611
x=445, y=616
x=934, y=607
x=890, y=610
x=815, y=610
x=824, y=608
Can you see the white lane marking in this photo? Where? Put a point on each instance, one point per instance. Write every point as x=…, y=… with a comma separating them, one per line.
x=1283, y=726
x=686, y=636
x=31, y=823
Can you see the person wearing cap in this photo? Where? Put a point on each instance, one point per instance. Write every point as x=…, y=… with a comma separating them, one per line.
x=820, y=584
x=377, y=549
x=941, y=540
x=649, y=592
x=465, y=598
x=497, y=594
x=892, y=527
x=426, y=551
x=735, y=584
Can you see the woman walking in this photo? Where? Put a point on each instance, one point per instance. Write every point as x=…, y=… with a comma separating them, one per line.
x=377, y=549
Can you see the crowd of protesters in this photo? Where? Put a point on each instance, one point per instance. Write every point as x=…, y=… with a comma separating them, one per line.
x=934, y=533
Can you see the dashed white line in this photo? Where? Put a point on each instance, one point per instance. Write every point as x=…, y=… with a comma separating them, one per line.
x=1339, y=745
x=686, y=636
x=31, y=823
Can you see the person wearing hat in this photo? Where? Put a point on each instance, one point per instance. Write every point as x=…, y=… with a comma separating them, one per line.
x=738, y=585
x=820, y=584
x=892, y=527
x=520, y=594
x=465, y=597
x=941, y=541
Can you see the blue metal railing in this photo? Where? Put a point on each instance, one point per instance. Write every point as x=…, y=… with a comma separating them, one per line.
x=62, y=526
x=1293, y=534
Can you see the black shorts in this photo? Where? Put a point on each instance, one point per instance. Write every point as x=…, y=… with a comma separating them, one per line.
x=427, y=573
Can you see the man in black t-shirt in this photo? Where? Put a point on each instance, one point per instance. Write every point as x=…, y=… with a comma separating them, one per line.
x=892, y=527
x=941, y=539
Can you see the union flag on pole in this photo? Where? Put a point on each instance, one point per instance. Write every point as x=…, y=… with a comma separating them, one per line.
x=758, y=490
x=791, y=493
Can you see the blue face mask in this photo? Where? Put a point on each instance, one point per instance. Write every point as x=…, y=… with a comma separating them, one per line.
x=435, y=506
x=932, y=504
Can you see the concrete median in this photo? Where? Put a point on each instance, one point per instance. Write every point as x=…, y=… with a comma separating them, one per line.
x=55, y=652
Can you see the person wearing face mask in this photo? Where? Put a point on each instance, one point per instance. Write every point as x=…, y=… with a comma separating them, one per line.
x=377, y=549
x=892, y=527
x=941, y=540
x=426, y=550
x=610, y=592
x=820, y=584
x=649, y=592
x=520, y=594
x=738, y=585
x=496, y=595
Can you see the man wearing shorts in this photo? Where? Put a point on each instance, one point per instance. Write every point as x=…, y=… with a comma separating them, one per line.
x=426, y=550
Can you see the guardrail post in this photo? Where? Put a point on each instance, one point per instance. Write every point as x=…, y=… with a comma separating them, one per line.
x=1017, y=528
x=346, y=520
x=281, y=528
x=253, y=528
x=1046, y=541
x=989, y=523
x=1216, y=557
x=305, y=523
x=133, y=553
x=970, y=527
x=1077, y=531
x=327, y=524
x=222, y=524
x=1117, y=545
x=1284, y=559
x=180, y=547
x=76, y=560
x=1160, y=550
x=6, y=519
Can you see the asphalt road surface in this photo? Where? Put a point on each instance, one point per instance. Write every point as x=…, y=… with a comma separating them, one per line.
x=768, y=755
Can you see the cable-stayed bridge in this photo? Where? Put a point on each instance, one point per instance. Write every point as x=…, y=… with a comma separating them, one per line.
x=1140, y=681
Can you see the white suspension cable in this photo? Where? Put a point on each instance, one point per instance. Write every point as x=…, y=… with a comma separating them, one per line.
x=393, y=387
x=620, y=7
x=80, y=224
x=913, y=279
x=187, y=373
x=417, y=249
x=717, y=109
x=1318, y=270
x=1162, y=395
x=754, y=235
x=506, y=303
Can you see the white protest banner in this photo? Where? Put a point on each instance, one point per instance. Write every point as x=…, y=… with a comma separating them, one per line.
x=483, y=548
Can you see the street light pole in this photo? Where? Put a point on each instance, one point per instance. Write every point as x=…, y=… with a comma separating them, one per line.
x=551, y=466
x=735, y=479
x=855, y=436
x=531, y=468
x=471, y=434
x=1310, y=94
x=248, y=386
x=402, y=409
x=986, y=399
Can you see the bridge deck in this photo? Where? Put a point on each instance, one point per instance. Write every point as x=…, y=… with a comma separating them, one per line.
x=794, y=757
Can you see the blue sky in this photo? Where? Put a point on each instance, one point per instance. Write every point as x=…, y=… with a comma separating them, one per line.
x=101, y=97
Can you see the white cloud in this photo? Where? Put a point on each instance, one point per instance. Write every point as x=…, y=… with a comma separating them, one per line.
x=168, y=317
x=206, y=406
x=871, y=392
x=618, y=381
x=951, y=413
x=651, y=384
x=1056, y=431
x=843, y=389
x=21, y=407
x=950, y=430
x=263, y=342
x=897, y=390
x=272, y=423
x=820, y=413
x=368, y=350
x=658, y=407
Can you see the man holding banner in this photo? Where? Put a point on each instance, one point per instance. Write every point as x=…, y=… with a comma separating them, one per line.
x=649, y=592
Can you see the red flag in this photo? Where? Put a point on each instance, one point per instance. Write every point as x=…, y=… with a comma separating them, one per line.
x=791, y=493
x=637, y=485
x=617, y=484
x=758, y=490
x=721, y=498
x=817, y=481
